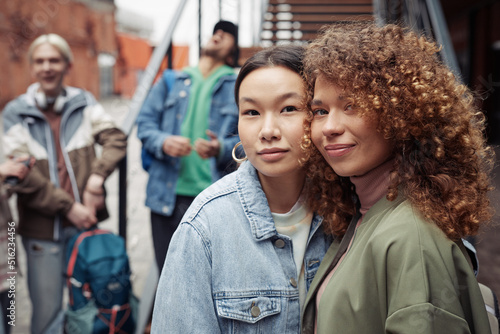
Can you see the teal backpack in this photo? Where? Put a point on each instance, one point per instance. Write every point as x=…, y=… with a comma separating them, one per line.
x=98, y=279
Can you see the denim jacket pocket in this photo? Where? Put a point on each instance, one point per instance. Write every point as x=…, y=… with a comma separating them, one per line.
x=249, y=310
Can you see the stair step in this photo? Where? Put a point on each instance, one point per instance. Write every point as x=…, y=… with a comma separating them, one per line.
x=327, y=2
x=321, y=9
x=300, y=20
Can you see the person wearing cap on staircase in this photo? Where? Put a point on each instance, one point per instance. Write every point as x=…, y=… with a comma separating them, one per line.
x=188, y=126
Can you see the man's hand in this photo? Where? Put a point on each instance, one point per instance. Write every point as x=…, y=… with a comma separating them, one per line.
x=93, y=195
x=93, y=201
x=81, y=216
x=177, y=146
x=207, y=148
x=95, y=183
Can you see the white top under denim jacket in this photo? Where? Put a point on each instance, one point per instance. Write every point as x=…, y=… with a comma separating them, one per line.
x=228, y=270
x=296, y=224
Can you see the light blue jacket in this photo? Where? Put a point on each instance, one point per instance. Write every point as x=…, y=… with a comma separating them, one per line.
x=225, y=272
x=162, y=115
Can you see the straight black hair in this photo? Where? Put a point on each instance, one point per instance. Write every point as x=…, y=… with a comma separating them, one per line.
x=289, y=56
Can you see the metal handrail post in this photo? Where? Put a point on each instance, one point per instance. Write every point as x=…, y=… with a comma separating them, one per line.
x=145, y=83
x=122, y=198
x=437, y=20
x=138, y=99
x=442, y=35
x=199, y=28
x=379, y=12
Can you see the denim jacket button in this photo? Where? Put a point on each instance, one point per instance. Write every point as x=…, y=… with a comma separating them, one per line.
x=187, y=82
x=293, y=282
x=255, y=311
x=182, y=93
x=279, y=243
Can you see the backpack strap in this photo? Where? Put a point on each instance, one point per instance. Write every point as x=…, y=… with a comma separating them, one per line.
x=489, y=297
x=491, y=302
x=72, y=260
x=114, y=313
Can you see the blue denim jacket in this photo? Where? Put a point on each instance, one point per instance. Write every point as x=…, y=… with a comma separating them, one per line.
x=162, y=115
x=225, y=272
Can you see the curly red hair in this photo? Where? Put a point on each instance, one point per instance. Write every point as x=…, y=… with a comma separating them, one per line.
x=395, y=77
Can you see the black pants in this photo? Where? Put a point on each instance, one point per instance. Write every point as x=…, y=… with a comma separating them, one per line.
x=163, y=227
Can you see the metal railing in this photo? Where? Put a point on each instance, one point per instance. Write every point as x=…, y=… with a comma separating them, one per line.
x=425, y=16
x=140, y=94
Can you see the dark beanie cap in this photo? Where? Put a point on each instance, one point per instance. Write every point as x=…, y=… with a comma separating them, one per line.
x=228, y=27
x=232, y=29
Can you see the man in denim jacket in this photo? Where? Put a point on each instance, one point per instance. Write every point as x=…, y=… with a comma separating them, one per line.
x=189, y=125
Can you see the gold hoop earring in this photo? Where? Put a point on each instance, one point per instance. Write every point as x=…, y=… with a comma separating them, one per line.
x=238, y=160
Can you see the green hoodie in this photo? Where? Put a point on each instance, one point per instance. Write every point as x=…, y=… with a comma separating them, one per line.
x=195, y=173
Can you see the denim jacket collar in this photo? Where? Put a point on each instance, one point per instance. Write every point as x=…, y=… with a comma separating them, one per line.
x=255, y=204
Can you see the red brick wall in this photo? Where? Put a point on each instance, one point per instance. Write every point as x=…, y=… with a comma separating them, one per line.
x=88, y=30
x=134, y=55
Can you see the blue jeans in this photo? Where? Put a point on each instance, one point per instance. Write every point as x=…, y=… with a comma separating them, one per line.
x=46, y=268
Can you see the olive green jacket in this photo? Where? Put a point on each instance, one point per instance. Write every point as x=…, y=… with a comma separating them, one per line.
x=400, y=275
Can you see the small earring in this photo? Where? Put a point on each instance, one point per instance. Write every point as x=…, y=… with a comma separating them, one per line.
x=238, y=160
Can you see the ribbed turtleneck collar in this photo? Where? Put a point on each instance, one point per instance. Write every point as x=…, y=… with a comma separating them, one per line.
x=372, y=186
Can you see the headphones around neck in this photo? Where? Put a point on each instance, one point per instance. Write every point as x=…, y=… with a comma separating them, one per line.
x=43, y=102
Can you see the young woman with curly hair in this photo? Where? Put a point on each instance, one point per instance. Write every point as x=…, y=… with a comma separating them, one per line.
x=399, y=169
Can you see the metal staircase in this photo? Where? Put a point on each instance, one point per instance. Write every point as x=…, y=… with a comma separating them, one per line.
x=298, y=21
